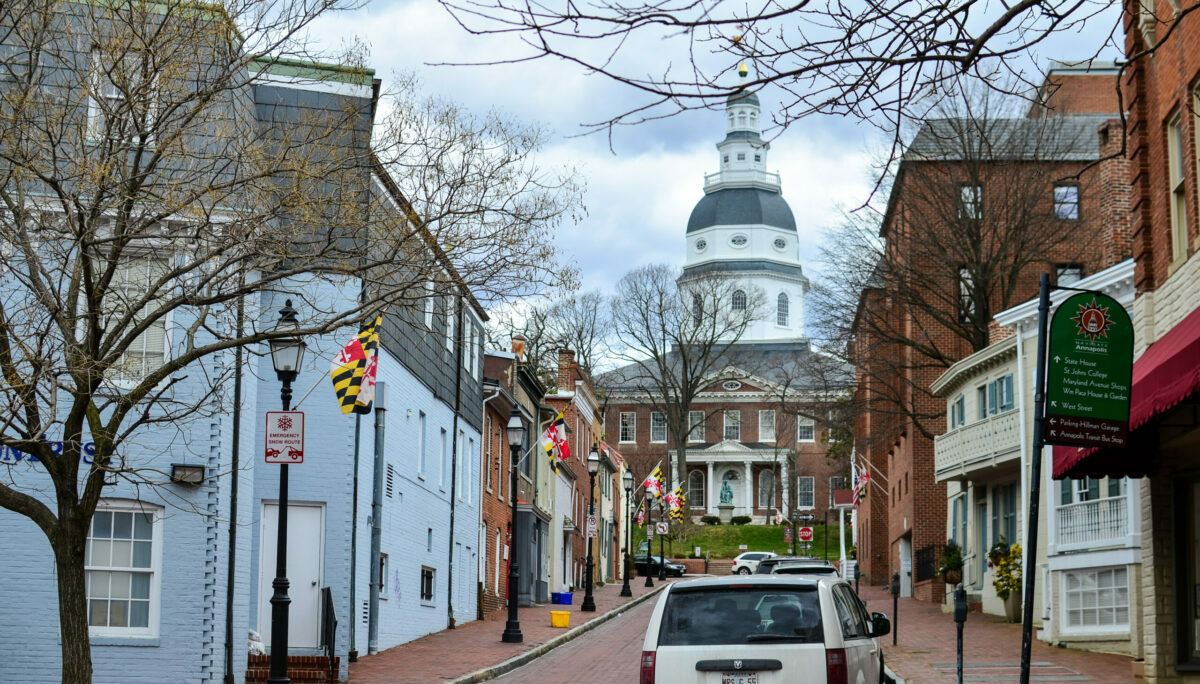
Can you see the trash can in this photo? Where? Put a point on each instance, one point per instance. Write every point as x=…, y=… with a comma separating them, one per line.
x=560, y=618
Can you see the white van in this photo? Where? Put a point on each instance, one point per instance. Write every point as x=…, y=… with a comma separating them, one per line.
x=763, y=629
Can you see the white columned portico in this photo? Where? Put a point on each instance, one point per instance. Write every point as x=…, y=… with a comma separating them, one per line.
x=784, y=506
x=710, y=492
x=749, y=489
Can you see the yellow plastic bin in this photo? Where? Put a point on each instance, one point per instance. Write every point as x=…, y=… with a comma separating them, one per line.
x=560, y=618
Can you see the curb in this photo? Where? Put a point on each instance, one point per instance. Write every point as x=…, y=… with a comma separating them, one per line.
x=892, y=676
x=525, y=658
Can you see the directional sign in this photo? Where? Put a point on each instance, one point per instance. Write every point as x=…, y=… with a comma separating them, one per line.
x=591, y=526
x=1089, y=372
x=663, y=528
x=805, y=517
x=285, y=437
x=806, y=534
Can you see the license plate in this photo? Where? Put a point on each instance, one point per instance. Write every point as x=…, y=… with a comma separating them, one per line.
x=739, y=678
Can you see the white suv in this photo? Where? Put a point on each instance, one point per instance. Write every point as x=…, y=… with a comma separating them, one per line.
x=762, y=629
x=747, y=562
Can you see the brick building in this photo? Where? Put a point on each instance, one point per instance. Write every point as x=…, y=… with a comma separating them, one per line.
x=1164, y=440
x=962, y=187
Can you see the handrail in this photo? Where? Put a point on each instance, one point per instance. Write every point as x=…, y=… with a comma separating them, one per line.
x=329, y=629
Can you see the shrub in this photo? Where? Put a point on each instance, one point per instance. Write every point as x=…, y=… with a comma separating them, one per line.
x=710, y=519
x=1007, y=571
x=741, y=520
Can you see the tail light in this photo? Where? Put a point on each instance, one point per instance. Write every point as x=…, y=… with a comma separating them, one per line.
x=648, y=668
x=835, y=666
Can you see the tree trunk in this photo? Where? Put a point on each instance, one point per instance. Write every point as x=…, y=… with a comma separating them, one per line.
x=72, y=602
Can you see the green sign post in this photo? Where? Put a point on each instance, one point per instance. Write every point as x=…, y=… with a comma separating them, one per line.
x=1089, y=372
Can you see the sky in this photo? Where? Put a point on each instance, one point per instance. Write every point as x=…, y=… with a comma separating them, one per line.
x=641, y=190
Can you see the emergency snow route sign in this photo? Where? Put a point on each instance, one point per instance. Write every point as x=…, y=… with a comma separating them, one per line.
x=285, y=437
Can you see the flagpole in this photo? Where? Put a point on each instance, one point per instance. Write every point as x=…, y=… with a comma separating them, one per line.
x=310, y=391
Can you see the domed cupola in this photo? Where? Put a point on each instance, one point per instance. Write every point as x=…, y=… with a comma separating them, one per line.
x=743, y=227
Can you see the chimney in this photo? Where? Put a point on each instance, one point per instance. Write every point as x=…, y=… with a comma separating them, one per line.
x=518, y=346
x=566, y=359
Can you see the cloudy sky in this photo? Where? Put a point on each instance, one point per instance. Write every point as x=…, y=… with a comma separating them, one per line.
x=641, y=191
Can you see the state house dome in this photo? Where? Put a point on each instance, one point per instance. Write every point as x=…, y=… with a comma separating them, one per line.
x=742, y=206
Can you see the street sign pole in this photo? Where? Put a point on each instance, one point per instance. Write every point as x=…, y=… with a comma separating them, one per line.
x=1039, y=442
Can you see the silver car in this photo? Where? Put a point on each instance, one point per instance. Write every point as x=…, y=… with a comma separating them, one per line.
x=747, y=562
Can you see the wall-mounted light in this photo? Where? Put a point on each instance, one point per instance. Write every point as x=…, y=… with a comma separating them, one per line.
x=184, y=474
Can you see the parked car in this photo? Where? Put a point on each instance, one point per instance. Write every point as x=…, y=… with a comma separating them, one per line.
x=747, y=562
x=645, y=564
x=796, y=565
x=762, y=630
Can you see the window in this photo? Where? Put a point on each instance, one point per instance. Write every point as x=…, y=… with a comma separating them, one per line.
x=981, y=399
x=971, y=202
x=695, y=426
x=427, y=305
x=111, y=85
x=805, y=498
x=696, y=489
x=421, y=445
x=487, y=452
x=766, y=489
x=1096, y=600
x=658, y=426
x=131, y=281
x=450, y=314
x=1175, y=161
x=426, y=584
x=758, y=157
x=731, y=385
x=996, y=396
x=1066, y=202
x=444, y=462
x=1067, y=274
x=780, y=244
x=1004, y=393
x=739, y=300
x=628, y=426
x=122, y=562
x=1004, y=513
x=781, y=310
x=733, y=425
x=966, y=295
x=429, y=540
x=701, y=245
x=806, y=429
x=957, y=412
x=766, y=425
x=383, y=575
x=725, y=159
x=739, y=240
x=741, y=156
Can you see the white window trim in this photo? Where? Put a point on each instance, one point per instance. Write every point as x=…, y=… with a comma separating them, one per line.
x=1067, y=628
x=632, y=427
x=120, y=382
x=761, y=414
x=813, y=491
x=725, y=427
x=801, y=421
x=152, y=624
x=383, y=576
x=694, y=427
x=664, y=427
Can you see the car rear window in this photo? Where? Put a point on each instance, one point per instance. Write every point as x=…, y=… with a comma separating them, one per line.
x=737, y=615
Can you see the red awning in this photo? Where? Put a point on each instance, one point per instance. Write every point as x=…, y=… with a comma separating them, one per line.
x=1166, y=374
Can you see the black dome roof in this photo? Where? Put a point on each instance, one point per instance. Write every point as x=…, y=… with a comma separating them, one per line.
x=744, y=97
x=738, y=206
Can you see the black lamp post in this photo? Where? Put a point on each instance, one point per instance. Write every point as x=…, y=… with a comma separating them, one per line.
x=287, y=353
x=516, y=437
x=627, y=480
x=593, y=463
x=649, y=544
x=662, y=560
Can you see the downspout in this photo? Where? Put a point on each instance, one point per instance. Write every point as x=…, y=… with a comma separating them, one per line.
x=458, y=354
x=377, y=518
x=483, y=548
x=233, y=494
x=1025, y=455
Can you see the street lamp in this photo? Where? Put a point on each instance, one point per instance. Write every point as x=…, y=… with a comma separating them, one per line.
x=662, y=560
x=593, y=462
x=649, y=544
x=516, y=437
x=627, y=480
x=287, y=353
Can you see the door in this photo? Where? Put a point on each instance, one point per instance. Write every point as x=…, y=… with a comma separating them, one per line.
x=905, y=566
x=306, y=535
x=862, y=651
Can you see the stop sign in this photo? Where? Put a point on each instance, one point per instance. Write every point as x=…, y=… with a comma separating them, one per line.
x=806, y=534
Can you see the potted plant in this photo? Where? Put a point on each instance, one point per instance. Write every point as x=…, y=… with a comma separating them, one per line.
x=950, y=563
x=1006, y=570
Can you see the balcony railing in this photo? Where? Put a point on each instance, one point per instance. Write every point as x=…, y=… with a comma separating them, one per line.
x=978, y=445
x=741, y=176
x=1089, y=524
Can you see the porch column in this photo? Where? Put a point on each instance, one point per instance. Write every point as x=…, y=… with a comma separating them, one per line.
x=783, y=504
x=749, y=489
x=709, y=490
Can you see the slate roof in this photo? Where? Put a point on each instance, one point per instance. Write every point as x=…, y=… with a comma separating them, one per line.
x=1070, y=137
x=741, y=206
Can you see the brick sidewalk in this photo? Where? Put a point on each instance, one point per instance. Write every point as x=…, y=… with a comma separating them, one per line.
x=927, y=643
x=452, y=653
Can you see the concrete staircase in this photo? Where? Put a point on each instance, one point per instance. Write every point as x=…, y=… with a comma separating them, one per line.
x=301, y=669
x=720, y=566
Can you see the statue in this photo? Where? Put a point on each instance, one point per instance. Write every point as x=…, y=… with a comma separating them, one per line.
x=726, y=493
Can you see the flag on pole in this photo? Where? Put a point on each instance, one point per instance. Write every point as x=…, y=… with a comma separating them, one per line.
x=353, y=370
x=860, y=488
x=641, y=513
x=560, y=437
x=654, y=482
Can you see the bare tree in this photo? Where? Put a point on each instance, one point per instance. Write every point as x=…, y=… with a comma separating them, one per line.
x=581, y=323
x=578, y=322
x=153, y=216
x=881, y=62
x=675, y=334
x=978, y=203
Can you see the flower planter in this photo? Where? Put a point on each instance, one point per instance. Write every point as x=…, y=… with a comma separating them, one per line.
x=952, y=576
x=1012, y=607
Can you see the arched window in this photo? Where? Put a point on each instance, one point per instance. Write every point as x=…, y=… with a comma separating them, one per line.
x=781, y=309
x=697, y=310
x=766, y=489
x=696, y=489
x=739, y=300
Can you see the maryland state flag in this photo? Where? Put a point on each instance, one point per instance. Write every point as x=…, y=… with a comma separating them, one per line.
x=354, y=369
x=654, y=482
x=641, y=513
x=677, y=501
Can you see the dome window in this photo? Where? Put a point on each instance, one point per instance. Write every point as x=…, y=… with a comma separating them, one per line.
x=780, y=244
x=741, y=156
x=738, y=240
x=758, y=157
x=732, y=385
x=701, y=245
x=739, y=300
x=726, y=159
x=781, y=310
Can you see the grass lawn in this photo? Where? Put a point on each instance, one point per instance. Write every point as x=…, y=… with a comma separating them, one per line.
x=722, y=541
